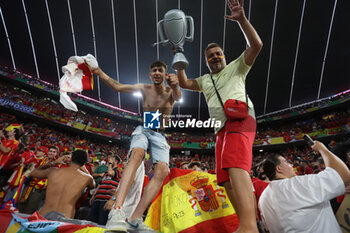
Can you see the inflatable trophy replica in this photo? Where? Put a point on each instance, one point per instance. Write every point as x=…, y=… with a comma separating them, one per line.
x=174, y=26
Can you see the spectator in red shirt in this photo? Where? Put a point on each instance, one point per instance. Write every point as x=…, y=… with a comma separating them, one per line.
x=259, y=184
x=305, y=168
x=8, y=145
x=28, y=156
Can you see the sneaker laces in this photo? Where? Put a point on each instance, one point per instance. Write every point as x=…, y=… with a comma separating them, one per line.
x=116, y=217
x=139, y=225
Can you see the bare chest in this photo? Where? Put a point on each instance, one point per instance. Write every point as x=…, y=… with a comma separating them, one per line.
x=155, y=100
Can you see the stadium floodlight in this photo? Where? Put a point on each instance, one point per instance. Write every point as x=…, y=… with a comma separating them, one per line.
x=261, y=150
x=137, y=94
x=180, y=100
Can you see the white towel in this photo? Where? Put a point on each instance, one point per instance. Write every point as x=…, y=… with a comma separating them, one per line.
x=72, y=80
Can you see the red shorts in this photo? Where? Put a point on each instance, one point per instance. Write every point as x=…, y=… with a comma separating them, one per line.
x=234, y=147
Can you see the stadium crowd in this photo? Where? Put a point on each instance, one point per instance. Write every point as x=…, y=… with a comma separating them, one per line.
x=55, y=111
x=26, y=145
x=306, y=125
x=305, y=108
x=34, y=145
x=34, y=81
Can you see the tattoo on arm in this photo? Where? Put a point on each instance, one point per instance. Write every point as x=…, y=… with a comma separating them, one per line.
x=112, y=83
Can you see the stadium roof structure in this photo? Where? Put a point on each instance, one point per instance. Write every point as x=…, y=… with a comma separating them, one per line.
x=306, y=53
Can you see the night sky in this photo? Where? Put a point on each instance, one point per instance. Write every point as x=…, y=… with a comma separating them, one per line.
x=270, y=79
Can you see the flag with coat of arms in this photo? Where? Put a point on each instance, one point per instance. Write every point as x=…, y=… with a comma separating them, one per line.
x=189, y=202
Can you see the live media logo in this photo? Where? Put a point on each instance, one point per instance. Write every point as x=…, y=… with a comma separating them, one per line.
x=151, y=120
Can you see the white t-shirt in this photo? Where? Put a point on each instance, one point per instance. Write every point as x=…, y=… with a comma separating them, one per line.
x=301, y=203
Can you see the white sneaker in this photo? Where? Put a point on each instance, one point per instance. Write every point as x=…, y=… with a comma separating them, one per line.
x=139, y=226
x=116, y=220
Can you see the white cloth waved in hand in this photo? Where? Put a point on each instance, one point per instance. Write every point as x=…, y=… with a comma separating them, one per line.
x=71, y=81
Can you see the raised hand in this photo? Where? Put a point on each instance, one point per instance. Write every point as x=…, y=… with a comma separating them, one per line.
x=237, y=11
x=109, y=204
x=319, y=146
x=172, y=80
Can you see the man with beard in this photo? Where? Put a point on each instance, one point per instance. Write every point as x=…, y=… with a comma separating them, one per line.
x=235, y=137
x=156, y=98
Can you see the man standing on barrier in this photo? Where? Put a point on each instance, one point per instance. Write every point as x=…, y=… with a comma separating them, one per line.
x=225, y=93
x=156, y=98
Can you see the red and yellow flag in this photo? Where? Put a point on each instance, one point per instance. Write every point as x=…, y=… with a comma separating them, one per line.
x=191, y=201
x=13, y=126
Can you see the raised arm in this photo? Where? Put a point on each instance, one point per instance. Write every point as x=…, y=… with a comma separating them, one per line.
x=84, y=169
x=331, y=160
x=95, y=175
x=253, y=40
x=4, y=149
x=42, y=172
x=173, y=82
x=110, y=171
x=114, y=84
x=91, y=182
x=189, y=84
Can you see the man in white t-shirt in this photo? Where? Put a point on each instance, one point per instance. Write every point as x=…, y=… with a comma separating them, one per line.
x=301, y=203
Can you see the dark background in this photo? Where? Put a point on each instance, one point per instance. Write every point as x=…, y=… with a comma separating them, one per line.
x=270, y=79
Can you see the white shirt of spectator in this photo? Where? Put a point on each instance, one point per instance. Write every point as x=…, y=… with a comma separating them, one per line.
x=301, y=203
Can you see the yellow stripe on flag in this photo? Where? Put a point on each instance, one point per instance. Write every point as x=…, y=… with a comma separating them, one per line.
x=19, y=176
x=277, y=140
x=190, y=199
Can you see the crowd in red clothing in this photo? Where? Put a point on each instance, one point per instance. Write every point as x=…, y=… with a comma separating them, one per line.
x=182, y=137
x=327, y=121
x=26, y=146
x=32, y=145
x=55, y=110
x=304, y=108
x=33, y=81
x=203, y=162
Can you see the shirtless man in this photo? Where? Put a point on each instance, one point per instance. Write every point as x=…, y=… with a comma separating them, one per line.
x=156, y=97
x=64, y=185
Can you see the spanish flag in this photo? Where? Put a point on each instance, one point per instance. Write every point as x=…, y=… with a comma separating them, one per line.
x=13, y=126
x=189, y=202
x=11, y=222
